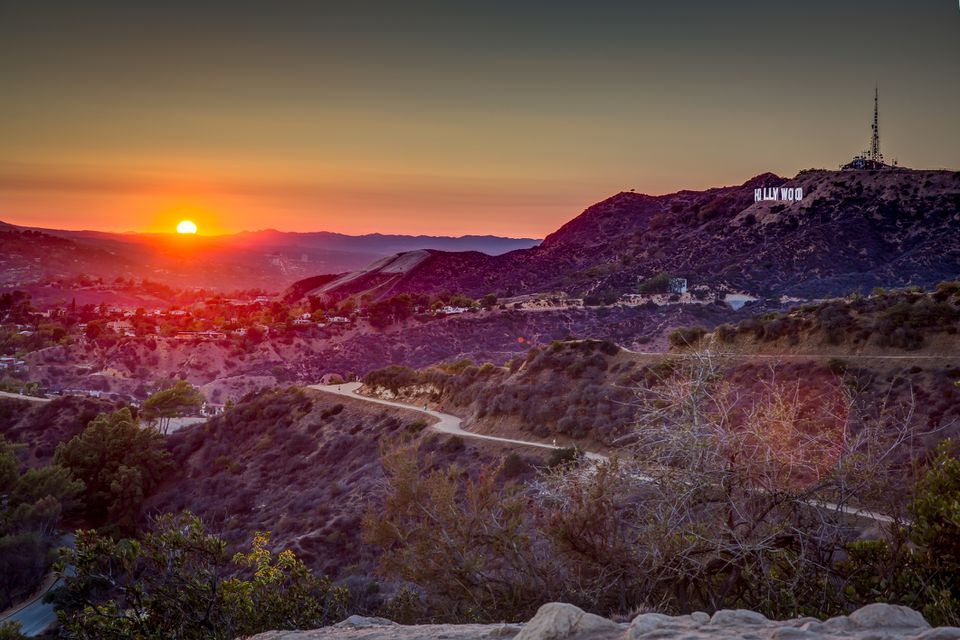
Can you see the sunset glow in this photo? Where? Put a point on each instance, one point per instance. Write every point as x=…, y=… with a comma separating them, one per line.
x=186, y=226
x=289, y=122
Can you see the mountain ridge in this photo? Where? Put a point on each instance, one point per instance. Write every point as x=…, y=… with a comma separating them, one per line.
x=850, y=230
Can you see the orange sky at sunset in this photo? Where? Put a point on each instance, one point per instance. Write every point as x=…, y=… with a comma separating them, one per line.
x=485, y=118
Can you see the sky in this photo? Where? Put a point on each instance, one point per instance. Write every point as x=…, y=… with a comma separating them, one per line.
x=447, y=118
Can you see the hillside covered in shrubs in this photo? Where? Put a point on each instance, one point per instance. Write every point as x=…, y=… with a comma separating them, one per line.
x=298, y=463
x=898, y=320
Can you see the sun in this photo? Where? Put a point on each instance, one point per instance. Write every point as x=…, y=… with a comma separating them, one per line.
x=186, y=226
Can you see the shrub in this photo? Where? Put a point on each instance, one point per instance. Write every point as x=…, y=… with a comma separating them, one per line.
x=686, y=336
x=659, y=283
x=920, y=566
x=563, y=456
x=179, y=582
x=837, y=366
x=725, y=333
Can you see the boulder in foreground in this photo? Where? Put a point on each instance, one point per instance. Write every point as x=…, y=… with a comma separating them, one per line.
x=559, y=621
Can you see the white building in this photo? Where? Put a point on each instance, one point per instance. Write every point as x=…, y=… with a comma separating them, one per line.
x=448, y=310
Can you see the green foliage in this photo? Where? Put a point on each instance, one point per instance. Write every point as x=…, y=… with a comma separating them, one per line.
x=686, y=336
x=416, y=426
x=391, y=311
x=564, y=456
x=10, y=630
x=172, y=402
x=406, y=607
x=393, y=377
x=659, y=283
x=29, y=517
x=178, y=581
x=120, y=464
x=920, y=566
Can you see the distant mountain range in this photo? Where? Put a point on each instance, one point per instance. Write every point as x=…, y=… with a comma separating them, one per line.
x=851, y=230
x=262, y=259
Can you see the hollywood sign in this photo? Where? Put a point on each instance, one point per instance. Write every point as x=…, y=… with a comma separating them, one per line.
x=789, y=194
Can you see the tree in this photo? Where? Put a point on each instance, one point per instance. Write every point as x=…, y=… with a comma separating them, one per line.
x=11, y=631
x=918, y=565
x=172, y=402
x=179, y=581
x=120, y=464
x=29, y=517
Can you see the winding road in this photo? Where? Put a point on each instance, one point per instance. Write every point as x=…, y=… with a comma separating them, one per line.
x=453, y=425
x=445, y=423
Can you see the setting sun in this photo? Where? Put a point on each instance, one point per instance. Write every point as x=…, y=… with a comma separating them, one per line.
x=186, y=226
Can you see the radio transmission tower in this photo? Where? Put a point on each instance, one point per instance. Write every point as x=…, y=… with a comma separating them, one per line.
x=875, y=154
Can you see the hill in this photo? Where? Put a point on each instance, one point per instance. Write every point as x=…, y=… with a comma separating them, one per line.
x=301, y=464
x=40, y=427
x=897, y=348
x=851, y=230
x=227, y=370
x=248, y=260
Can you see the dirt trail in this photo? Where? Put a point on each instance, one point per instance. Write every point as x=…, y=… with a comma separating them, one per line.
x=445, y=422
x=450, y=424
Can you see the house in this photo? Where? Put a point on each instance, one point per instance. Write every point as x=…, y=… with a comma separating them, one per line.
x=210, y=409
x=339, y=319
x=242, y=331
x=123, y=327
x=678, y=285
x=448, y=310
x=302, y=322
x=10, y=362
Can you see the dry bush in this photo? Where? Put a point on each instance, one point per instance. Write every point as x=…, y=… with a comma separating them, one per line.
x=729, y=499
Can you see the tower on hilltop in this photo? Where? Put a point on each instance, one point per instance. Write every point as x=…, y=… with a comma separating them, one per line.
x=873, y=157
x=875, y=154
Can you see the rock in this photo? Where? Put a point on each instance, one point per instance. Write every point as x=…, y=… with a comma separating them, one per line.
x=504, y=631
x=556, y=620
x=646, y=622
x=941, y=633
x=361, y=622
x=836, y=624
x=791, y=633
x=736, y=617
x=700, y=617
x=888, y=616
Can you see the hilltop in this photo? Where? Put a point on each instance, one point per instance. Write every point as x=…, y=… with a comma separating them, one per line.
x=851, y=230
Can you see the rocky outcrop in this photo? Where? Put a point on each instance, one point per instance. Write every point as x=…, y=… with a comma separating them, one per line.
x=557, y=621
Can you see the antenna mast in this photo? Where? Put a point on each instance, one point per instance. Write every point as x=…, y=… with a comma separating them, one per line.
x=875, y=154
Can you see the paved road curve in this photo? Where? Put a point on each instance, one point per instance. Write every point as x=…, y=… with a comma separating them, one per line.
x=451, y=424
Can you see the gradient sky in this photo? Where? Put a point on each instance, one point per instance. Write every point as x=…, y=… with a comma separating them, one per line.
x=447, y=117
